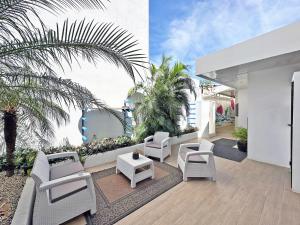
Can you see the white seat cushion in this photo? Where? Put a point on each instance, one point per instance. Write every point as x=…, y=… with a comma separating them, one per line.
x=62, y=191
x=65, y=169
x=154, y=145
x=194, y=158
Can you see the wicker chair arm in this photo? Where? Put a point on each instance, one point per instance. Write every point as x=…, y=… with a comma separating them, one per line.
x=147, y=139
x=75, y=177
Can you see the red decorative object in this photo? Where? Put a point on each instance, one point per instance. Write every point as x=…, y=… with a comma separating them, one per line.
x=232, y=103
x=220, y=109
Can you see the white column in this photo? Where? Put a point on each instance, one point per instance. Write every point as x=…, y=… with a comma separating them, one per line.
x=296, y=135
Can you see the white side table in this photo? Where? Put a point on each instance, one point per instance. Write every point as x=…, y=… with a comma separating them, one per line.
x=128, y=166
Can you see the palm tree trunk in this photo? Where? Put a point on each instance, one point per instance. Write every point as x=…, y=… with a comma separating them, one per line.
x=10, y=134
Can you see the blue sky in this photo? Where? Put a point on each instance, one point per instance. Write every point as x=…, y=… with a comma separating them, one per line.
x=188, y=29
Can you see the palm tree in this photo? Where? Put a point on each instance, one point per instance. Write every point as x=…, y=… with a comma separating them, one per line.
x=32, y=98
x=165, y=99
x=30, y=102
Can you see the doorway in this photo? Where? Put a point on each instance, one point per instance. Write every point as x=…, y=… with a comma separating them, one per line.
x=225, y=114
x=291, y=126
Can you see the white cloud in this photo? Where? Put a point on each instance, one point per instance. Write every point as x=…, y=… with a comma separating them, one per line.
x=213, y=25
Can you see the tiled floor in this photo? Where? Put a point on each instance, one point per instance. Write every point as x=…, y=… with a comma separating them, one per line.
x=245, y=193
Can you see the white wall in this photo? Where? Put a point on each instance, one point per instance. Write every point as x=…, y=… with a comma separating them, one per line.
x=269, y=115
x=102, y=124
x=206, y=117
x=212, y=119
x=107, y=82
x=296, y=135
x=242, y=100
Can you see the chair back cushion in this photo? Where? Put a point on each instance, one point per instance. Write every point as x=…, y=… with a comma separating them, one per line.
x=65, y=169
x=160, y=136
x=41, y=169
x=206, y=145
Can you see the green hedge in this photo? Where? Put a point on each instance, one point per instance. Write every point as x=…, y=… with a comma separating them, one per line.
x=26, y=156
x=189, y=129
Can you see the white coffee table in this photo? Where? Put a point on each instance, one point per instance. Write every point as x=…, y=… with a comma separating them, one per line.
x=128, y=166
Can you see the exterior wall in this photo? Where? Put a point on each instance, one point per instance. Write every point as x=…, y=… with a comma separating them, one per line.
x=269, y=115
x=212, y=120
x=296, y=135
x=242, y=100
x=106, y=81
x=206, y=119
x=102, y=125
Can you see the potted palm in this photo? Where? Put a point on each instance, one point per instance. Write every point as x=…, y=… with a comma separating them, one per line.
x=241, y=134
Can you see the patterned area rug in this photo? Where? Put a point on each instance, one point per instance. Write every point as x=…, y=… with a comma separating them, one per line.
x=116, y=199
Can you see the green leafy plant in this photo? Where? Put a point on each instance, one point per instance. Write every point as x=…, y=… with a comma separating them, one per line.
x=95, y=147
x=163, y=99
x=241, y=134
x=123, y=141
x=106, y=144
x=189, y=129
x=26, y=156
x=24, y=159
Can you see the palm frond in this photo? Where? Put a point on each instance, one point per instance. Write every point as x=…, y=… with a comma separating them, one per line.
x=19, y=7
x=47, y=89
x=32, y=115
x=16, y=15
x=90, y=40
x=136, y=89
x=28, y=137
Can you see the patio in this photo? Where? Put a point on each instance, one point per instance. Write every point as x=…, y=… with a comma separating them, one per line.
x=249, y=192
x=89, y=164
x=245, y=193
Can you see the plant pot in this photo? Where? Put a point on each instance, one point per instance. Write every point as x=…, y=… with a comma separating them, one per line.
x=135, y=155
x=242, y=146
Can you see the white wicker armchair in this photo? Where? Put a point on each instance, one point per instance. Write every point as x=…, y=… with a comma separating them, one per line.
x=197, y=162
x=158, y=145
x=63, y=191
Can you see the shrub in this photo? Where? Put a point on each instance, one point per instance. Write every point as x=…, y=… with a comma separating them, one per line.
x=25, y=156
x=189, y=129
x=106, y=144
x=241, y=134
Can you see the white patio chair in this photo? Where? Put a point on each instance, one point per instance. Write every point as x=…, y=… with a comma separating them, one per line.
x=63, y=191
x=199, y=162
x=158, y=145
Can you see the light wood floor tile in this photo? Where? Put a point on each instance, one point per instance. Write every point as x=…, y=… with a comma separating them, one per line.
x=246, y=193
